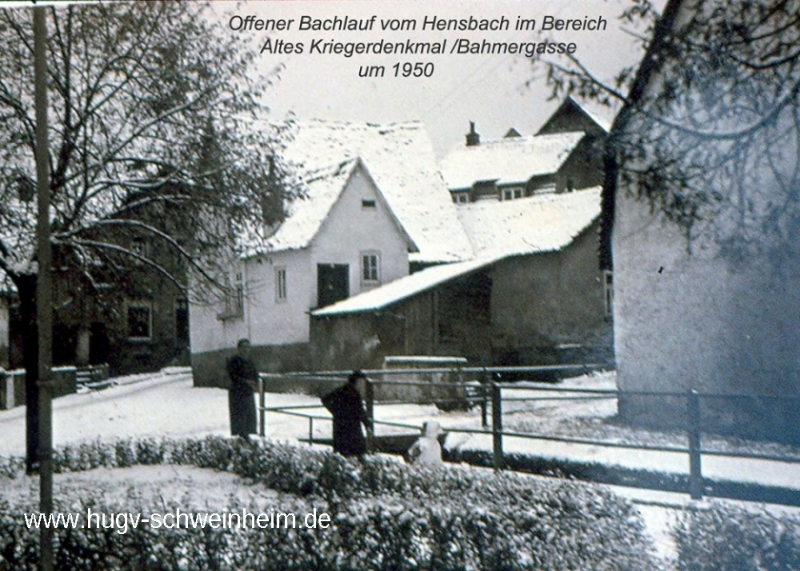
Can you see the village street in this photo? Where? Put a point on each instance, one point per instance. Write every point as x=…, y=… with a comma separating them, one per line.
x=167, y=405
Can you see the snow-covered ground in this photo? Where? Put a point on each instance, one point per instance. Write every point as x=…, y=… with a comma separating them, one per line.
x=167, y=404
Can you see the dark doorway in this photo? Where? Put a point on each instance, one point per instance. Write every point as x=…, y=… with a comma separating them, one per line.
x=65, y=340
x=333, y=283
x=99, y=344
x=182, y=322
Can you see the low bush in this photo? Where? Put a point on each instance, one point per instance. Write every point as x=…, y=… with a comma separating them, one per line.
x=725, y=538
x=384, y=515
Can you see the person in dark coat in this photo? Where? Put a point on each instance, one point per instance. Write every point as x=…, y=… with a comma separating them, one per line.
x=347, y=409
x=244, y=382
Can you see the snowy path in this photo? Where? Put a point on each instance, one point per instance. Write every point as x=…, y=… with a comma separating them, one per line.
x=168, y=405
x=763, y=472
x=165, y=405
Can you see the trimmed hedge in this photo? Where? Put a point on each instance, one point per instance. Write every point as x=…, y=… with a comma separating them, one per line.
x=385, y=515
x=725, y=538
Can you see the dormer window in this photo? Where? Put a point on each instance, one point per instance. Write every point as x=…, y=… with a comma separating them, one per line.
x=511, y=193
x=368, y=204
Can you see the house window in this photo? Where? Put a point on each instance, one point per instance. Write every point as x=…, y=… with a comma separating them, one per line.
x=512, y=193
x=234, y=297
x=370, y=267
x=367, y=203
x=608, y=292
x=280, y=284
x=140, y=321
x=461, y=198
x=235, y=305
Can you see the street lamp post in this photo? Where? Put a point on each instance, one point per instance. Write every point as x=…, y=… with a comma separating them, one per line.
x=44, y=286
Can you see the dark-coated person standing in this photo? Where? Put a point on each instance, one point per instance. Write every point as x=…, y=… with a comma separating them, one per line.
x=244, y=383
x=347, y=409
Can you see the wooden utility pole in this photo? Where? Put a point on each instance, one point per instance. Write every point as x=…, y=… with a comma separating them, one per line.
x=44, y=286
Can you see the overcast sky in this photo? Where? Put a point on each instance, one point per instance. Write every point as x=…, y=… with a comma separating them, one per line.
x=496, y=91
x=488, y=89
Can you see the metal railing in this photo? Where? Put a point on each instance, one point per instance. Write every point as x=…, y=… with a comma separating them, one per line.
x=488, y=394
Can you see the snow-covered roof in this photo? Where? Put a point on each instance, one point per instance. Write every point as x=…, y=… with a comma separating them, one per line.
x=305, y=215
x=540, y=223
x=402, y=163
x=321, y=190
x=512, y=160
x=604, y=123
x=402, y=288
x=498, y=230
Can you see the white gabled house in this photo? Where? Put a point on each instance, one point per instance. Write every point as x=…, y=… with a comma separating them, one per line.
x=402, y=162
x=373, y=206
x=517, y=282
x=531, y=295
x=340, y=239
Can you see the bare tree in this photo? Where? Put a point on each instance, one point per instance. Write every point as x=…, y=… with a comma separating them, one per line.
x=156, y=131
x=709, y=131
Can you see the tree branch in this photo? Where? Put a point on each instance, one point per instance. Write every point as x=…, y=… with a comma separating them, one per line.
x=115, y=248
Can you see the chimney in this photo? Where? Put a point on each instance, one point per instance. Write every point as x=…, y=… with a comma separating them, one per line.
x=473, y=138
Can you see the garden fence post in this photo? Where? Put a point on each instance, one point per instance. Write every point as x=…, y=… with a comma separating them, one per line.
x=484, y=400
x=262, y=413
x=497, y=427
x=695, y=468
x=370, y=398
x=461, y=389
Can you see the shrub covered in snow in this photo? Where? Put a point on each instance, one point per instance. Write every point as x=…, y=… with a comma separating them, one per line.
x=384, y=515
x=725, y=538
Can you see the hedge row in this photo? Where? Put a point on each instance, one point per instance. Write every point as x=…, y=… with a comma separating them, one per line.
x=726, y=538
x=385, y=515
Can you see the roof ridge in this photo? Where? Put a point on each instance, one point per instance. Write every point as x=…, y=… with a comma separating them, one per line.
x=329, y=170
x=522, y=141
x=360, y=123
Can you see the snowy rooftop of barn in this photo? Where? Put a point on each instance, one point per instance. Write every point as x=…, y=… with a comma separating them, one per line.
x=402, y=288
x=511, y=160
x=498, y=230
x=540, y=223
x=402, y=163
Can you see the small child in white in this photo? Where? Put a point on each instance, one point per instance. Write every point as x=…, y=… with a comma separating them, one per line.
x=427, y=451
